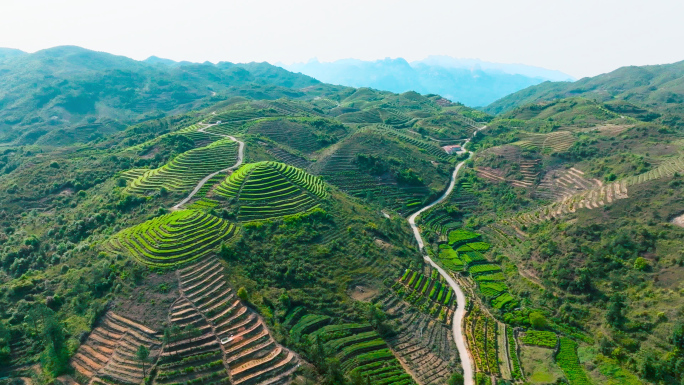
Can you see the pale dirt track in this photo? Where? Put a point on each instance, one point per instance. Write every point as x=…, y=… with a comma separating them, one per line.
x=238, y=163
x=457, y=324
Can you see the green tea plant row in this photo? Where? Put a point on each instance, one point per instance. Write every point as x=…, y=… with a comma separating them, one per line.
x=464, y=251
x=359, y=348
x=432, y=288
x=569, y=362
x=428, y=147
x=539, y=338
x=271, y=189
x=460, y=236
x=513, y=355
x=172, y=239
x=482, y=344
x=187, y=169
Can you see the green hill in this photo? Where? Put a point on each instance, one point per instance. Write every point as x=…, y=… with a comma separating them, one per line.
x=563, y=229
x=657, y=88
x=269, y=189
x=88, y=94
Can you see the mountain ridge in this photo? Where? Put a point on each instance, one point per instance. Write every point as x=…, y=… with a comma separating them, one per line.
x=471, y=82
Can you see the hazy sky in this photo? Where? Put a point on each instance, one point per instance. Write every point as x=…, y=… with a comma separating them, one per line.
x=579, y=37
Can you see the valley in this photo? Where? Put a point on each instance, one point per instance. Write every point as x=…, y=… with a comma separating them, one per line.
x=287, y=231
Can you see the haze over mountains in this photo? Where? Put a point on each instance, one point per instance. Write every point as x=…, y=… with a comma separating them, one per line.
x=469, y=81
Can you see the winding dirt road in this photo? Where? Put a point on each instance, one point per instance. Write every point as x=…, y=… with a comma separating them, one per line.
x=238, y=163
x=457, y=324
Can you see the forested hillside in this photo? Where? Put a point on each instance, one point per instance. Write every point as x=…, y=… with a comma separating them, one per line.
x=649, y=91
x=285, y=231
x=69, y=94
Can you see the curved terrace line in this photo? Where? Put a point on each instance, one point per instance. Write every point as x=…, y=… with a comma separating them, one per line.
x=238, y=163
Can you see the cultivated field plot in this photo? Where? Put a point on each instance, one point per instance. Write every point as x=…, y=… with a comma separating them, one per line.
x=172, y=239
x=465, y=252
x=554, y=142
x=491, y=352
x=339, y=169
x=430, y=294
x=271, y=189
x=242, y=112
x=215, y=327
x=561, y=184
x=422, y=343
x=187, y=169
x=358, y=347
x=304, y=135
x=285, y=156
x=109, y=354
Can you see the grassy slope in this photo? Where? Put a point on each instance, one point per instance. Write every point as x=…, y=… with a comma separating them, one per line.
x=658, y=87
x=85, y=94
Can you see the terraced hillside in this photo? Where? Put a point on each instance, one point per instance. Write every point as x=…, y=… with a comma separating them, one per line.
x=600, y=195
x=554, y=142
x=226, y=329
x=109, y=354
x=172, y=239
x=424, y=342
x=305, y=135
x=492, y=352
x=509, y=164
x=365, y=165
x=560, y=184
x=187, y=169
x=270, y=189
x=361, y=351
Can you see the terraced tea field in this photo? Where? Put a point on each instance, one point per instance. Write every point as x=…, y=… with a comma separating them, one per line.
x=423, y=344
x=108, y=355
x=304, y=135
x=488, y=340
x=359, y=348
x=239, y=336
x=561, y=184
x=270, y=189
x=430, y=294
x=339, y=169
x=172, y=239
x=555, y=142
x=187, y=169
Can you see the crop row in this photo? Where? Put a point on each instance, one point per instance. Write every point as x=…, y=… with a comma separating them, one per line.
x=175, y=238
x=270, y=189
x=358, y=347
x=569, y=362
x=187, y=169
x=539, y=338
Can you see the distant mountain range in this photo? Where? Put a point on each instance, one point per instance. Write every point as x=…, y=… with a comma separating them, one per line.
x=468, y=81
x=72, y=92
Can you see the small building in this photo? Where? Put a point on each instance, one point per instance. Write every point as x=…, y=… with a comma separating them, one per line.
x=453, y=149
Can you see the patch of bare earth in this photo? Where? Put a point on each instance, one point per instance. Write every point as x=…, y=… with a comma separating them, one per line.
x=382, y=244
x=149, y=303
x=678, y=221
x=362, y=293
x=150, y=154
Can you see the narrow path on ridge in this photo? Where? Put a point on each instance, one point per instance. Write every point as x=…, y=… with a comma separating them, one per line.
x=241, y=153
x=459, y=337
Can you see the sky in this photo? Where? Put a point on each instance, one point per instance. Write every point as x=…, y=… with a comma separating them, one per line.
x=578, y=37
